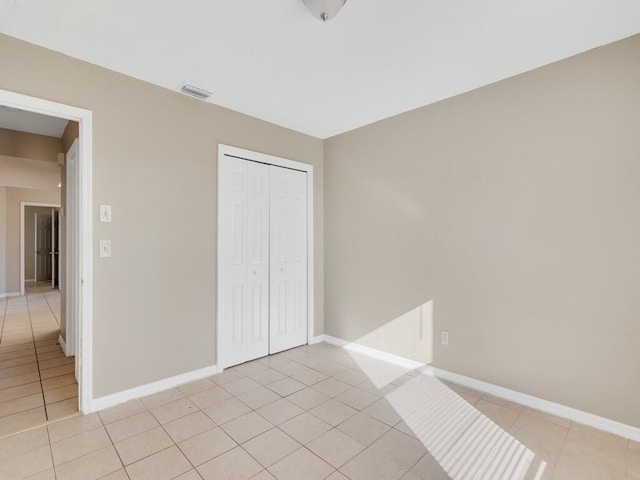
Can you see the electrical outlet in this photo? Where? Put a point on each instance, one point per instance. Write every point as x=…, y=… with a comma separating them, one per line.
x=444, y=337
x=105, y=248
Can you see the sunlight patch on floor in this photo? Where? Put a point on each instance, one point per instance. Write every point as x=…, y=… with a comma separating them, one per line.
x=466, y=443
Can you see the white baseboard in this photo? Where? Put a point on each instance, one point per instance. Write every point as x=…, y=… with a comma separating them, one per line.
x=30, y=280
x=9, y=294
x=63, y=345
x=573, y=414
x=318, y=339
x=372, y=352
x=114, y=399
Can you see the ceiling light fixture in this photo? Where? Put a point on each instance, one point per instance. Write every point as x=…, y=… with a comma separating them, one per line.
x=324, y=9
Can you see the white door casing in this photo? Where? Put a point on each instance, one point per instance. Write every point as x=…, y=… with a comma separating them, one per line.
x=84, y=248
x=23, y=246
x=288, y=259
x=243, y=260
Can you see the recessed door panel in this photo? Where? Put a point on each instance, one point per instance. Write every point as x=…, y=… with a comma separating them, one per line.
x=239, y=234
x=257, y=315
x=237, y=320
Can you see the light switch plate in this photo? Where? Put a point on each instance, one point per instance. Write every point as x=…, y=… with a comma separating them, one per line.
x=105, y=248
x=105, y=213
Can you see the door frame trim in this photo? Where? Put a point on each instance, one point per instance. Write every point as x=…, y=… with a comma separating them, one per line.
x=23, y=253
x=278, y=162
x=84, y=286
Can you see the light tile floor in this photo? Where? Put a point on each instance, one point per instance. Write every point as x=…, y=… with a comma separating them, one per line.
x=318, y=412
x=37, y=381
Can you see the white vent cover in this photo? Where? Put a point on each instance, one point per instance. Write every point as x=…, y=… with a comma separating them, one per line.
x=195, y=91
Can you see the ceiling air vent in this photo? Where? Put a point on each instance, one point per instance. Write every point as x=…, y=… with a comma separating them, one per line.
x=195, y=91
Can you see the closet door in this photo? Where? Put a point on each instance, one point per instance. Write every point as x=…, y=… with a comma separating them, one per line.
x=288, y=259
x=244, y=236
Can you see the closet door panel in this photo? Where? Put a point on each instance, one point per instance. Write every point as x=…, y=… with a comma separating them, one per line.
x=258, y=262
x=233, y=266
x=288, y=246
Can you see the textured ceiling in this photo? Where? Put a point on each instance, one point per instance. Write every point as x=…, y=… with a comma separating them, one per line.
x=272, y=60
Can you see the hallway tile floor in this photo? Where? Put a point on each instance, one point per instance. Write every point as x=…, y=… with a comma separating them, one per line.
x=318, y=412
x=37, y=382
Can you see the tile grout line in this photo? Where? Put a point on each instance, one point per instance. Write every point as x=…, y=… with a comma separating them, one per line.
x=113, y=445
x=53, y=465
x=35, y=348
x=51, y=309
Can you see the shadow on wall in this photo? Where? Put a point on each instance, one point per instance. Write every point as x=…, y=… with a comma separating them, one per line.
x=462, y=440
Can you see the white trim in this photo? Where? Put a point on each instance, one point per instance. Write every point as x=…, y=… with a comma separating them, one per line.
x=23, y=205
x=10, y=294
x=316, y=339
x=63, y=345
x=107, y=401
x=372, y=352
x=573, y=414
x=280, y=162
x=30, y=280
x=570, y=413
x=85, y=284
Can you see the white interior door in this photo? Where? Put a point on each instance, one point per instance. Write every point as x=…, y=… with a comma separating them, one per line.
x=72, y=267
x=44, y=250
x=54, y=248
x=36, y=252
x=58, y=247
x=243, y=190
x=288, y=259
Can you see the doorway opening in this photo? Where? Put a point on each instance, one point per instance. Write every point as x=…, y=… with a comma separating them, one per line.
x=40, y=247
x=53, y=298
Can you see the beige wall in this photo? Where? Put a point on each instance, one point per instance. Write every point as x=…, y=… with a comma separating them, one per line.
x=71, y=132
x=154, y=159
x=27, y=173
x=29, y=145
x=514, y=208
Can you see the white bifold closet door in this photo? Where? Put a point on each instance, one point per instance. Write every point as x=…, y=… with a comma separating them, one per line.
x=262, y=260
